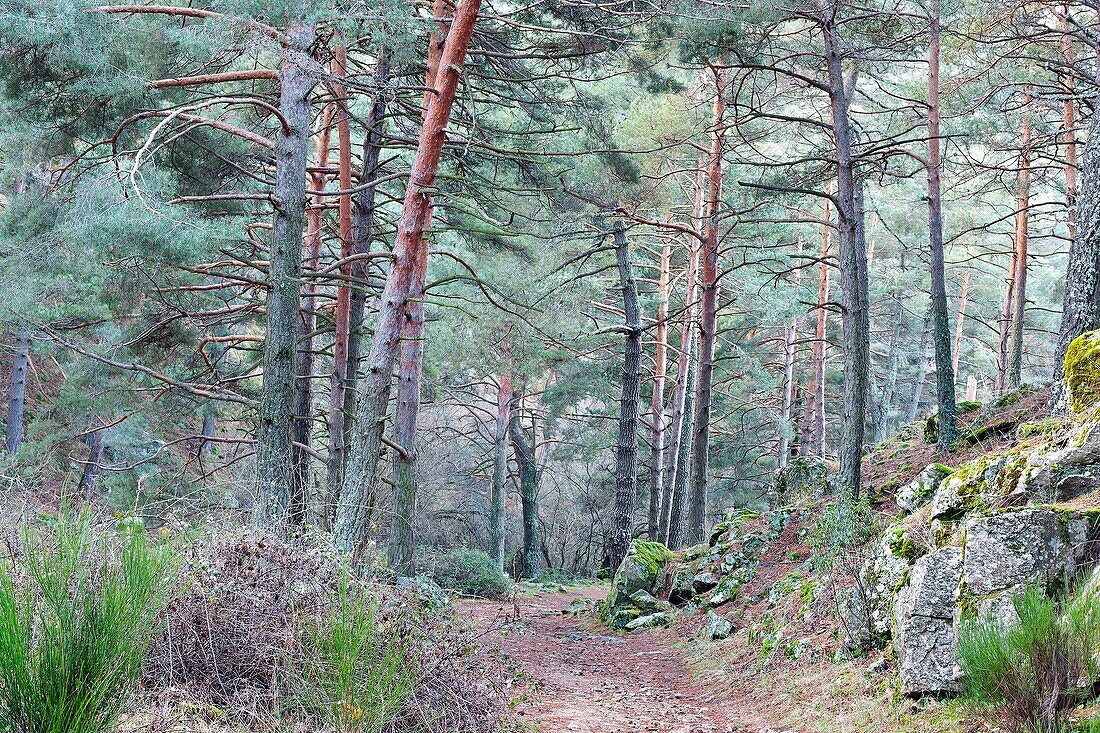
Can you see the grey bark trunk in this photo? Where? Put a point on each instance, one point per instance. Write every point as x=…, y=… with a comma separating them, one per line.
x=17, y=395
x=941, y=327
x=277, y=487
x=853, y=270
x=528, y=494
x=89, y=477
x=363, y=235
x=626, y=455
x=1081, y=302
x=679, y=481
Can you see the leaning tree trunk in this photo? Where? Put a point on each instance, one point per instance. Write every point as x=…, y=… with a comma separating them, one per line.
x=683, y=365
x=528, y=492
x=401, y=550
x=657, y=400
x=500, y=471
x=353, y=507
x=941, y=328
x=1081, y=302
x=708, y=325
x=17, y=395
x=853, y=269
x=626, y=454
x=276, y=484
x=363, y=235
x=1019, y=285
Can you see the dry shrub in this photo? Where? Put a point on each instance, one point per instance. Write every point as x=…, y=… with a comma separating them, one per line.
x=233, y=642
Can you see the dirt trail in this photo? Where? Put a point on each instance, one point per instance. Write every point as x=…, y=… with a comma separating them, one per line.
x=585, y=679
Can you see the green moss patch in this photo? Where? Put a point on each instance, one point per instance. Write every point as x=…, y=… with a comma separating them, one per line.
x=1082, y=366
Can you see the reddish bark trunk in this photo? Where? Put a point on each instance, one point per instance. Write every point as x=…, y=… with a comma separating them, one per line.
x=338, y=378
x=697, y=504
x=1019, y=285
x=350, y=529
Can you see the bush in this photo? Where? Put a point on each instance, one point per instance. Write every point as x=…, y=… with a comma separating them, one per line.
x=469, y=572
x=357, y=671
x=229, y=631
x=1036, y=669
x=76, y=617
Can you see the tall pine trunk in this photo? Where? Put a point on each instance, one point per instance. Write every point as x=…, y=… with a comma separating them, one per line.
x=812, y=442
x=1019, y=284
x=353, y=508
x=853, y=268
x=708, y=325
x=657, y=400
x=363, y=234
x=401, y=550
x=626, y=454
x=302, y=429
x=342, y=328
x=277, y=485
x=676, y=456
x=941, y=327
x=681, y=476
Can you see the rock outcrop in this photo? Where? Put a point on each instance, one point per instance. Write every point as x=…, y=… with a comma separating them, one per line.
x=969, y=540
x=653, y=582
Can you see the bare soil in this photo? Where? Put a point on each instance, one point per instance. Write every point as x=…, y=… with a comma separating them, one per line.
x=582, y=678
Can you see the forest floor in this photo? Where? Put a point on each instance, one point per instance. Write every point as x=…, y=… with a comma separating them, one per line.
x=582, y=678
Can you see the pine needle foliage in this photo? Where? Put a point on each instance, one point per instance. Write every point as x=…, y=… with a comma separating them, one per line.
x=76, y=615
x=1039, y=667
x=357, y=670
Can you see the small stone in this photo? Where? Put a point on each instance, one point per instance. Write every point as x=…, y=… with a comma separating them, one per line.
x=716, y=628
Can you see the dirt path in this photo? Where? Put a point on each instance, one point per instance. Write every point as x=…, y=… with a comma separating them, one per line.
x=585, y=679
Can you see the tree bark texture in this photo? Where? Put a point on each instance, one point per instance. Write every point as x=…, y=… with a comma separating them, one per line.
x=276, y=481
x=301, y=431
x=338, y=378
x=352, y=509
x=363, y=235
x=941, y=327
x=626, y=453
x=1019, y=284
x=790, y=352
x=708, y=324
x=657, y=400
x=679, y=482
x=812, y=442
x=959, y=321
x=1081, y=302
x=528, y=491
x=853, y=269
x=17, y=394
x=500, y=471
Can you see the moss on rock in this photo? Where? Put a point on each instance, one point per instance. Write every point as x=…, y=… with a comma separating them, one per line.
x=1082, y=366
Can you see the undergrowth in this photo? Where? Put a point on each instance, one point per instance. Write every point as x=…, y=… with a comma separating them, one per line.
x=1034, y=670
x=76, y=616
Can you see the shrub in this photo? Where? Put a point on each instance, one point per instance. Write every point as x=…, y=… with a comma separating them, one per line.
x=229, y=631
x=76, y=617
x=469, y=572
x=357, y=670
x=1036, y=669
